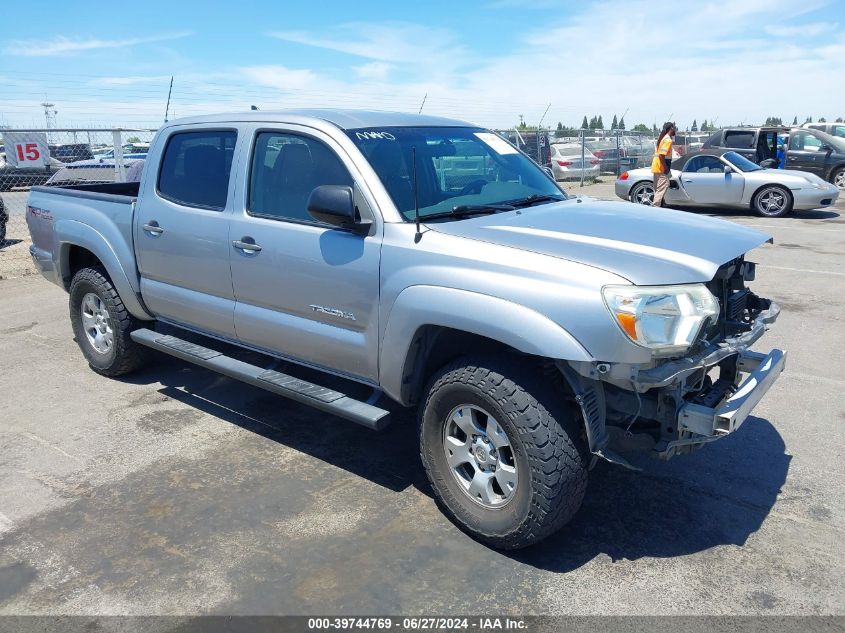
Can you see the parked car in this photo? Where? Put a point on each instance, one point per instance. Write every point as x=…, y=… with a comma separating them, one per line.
x=724, y=178
x=522, y=323
x=25, y=177
x=567, y=162
x=4, y=220
x=135, y=150
x=834, y=129
x=689, y=142
x=818, y=153
x=71, y=152
x=90, y=171
x=757, y=144
x=611, y=158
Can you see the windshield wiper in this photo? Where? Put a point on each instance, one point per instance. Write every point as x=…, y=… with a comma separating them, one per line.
x=534, y=198
x=467, y=210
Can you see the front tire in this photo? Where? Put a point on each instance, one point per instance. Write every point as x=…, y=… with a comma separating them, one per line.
x=772, y=201
x=504, y=453
x=838, y=178
x=102, y=325
x=642, y=193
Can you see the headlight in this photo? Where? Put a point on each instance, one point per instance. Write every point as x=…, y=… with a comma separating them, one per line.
x=665, y=319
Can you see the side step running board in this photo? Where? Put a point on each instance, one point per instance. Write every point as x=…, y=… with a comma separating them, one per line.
x=308, y=393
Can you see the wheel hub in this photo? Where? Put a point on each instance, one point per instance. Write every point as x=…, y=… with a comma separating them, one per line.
x=484, y=453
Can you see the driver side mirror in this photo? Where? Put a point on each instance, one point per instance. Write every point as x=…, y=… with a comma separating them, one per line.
x=333, y=204
x=727, y=169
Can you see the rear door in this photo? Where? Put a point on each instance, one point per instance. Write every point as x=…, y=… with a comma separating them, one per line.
x=182, y=230
x=805, y=152
x=705, y=182
x=743, y=142
x=305, y=290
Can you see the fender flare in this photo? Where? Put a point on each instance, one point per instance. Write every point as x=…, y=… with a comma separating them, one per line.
x=495, y=318
x=72, y=233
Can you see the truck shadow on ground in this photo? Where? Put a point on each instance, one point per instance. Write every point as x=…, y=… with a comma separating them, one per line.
x=719, y=495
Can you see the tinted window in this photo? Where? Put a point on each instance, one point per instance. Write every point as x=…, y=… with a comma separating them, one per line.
x=740, y=140
x=196, y=166
x=285, y=170
x=805, y=142
x=704, y=165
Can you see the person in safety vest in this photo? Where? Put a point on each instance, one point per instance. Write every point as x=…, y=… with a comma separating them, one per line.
x=662, y=162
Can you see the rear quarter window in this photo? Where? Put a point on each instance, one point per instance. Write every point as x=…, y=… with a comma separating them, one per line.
x=195, y=168
x=739, y=140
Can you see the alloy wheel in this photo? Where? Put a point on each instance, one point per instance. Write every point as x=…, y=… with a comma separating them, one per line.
x=480, y=456
x=97, y=323
x=643, y=194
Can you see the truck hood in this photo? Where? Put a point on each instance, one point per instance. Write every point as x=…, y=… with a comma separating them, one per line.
x=646, y=246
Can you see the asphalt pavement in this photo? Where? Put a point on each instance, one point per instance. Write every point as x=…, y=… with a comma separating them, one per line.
x=178, y=491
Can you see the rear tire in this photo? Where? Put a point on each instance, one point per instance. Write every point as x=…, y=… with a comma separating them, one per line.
x=102, y=325
x=642, y=193
x=531, y=442
x=772, y=201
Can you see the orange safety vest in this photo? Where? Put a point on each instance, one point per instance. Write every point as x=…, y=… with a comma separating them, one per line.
x=665, y=149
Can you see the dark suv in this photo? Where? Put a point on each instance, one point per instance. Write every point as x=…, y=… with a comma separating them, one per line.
x=754, y=143
x=71, y=152
x=806, y=149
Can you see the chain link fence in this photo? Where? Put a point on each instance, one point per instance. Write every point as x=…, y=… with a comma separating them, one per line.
x=53, y=157
x=575, y=156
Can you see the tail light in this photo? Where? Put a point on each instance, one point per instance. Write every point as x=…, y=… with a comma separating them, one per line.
x=595, y=162
x=598, y=153
x=564, y=163
x=624, y=176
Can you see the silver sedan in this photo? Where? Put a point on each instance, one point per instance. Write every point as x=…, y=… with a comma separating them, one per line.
x=723, y=178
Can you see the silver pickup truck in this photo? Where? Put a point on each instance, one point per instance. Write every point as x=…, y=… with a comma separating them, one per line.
x=434, y=263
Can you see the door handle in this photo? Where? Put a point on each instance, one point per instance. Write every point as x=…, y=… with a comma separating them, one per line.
x=249, y=247
x=153, y=228
x=687, y=180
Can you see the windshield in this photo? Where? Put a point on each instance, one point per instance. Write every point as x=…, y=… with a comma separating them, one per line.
x=740, y=162
x=455, y=167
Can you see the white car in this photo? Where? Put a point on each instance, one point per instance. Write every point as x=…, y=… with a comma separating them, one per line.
x=723, y=178
x=568, y=163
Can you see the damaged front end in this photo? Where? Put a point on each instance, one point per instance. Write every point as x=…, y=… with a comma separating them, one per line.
x=676, y=404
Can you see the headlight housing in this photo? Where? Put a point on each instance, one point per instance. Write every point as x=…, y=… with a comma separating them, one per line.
x=665, y=319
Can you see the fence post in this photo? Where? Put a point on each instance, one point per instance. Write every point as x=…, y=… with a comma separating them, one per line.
x=583, y=152
x=120, y=169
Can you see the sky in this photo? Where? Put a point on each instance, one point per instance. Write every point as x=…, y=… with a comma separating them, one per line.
x=484, y=61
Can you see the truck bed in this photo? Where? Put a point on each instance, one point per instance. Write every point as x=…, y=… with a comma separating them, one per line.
x=123, y=189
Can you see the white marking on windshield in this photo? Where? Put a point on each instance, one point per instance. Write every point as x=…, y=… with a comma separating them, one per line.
x=384, y=136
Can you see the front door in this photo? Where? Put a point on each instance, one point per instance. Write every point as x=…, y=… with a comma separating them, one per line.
x=705, y=182
x=182, y=228
x=303, y=289
x=806, y=152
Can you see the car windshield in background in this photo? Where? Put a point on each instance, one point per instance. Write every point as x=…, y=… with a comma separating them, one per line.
x=740, y=162
x=457, y=169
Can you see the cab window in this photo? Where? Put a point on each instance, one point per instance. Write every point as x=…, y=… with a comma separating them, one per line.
x=285, y=169
x=195, y=168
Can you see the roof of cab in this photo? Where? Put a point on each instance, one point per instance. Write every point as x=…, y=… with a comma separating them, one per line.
x=344, y=119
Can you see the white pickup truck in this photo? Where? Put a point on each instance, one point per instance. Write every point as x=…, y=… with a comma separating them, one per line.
x=434, y=263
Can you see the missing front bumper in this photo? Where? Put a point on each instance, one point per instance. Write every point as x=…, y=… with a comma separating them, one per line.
x=699, y=424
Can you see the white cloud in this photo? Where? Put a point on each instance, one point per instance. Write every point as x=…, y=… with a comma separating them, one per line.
x=813, y=29
x=373, y=70
x=61, y=45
